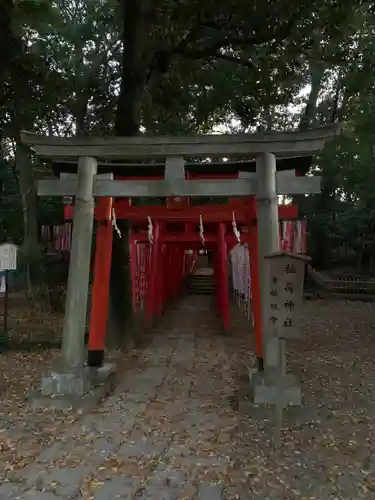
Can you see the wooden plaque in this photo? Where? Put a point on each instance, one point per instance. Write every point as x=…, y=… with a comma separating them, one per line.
x=285, y=294
x=8, y=257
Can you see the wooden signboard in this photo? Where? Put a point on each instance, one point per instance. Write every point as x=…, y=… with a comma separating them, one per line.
x=285, y=294
x=8, y=262
x=8, y=257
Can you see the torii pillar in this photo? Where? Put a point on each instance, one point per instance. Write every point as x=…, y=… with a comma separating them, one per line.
x=71, y=378
x=265, y=384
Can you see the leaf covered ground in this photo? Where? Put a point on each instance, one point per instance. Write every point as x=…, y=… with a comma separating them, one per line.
x=171, y=428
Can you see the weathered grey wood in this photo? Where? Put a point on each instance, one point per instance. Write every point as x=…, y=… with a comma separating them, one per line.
x=107, y=176
x=72, y=351
x=289, y=143
x=236, y=187
x=268, y=243
x=298, y=185
x=288, y=183
x=53, y=187
x=285, y=174
x=67, y=187
x=174, y=168
x=245, y=186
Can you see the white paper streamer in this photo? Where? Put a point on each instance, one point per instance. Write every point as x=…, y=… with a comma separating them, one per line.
x=114, y=224
x=150, y=231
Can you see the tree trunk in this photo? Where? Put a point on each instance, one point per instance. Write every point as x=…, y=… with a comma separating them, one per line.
x=321, y=254
x=6, y=37
x=81, y=91
x=136, y=22
x=30, y=249
x=309, y=116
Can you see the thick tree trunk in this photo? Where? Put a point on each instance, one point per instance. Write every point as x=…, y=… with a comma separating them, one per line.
x=321, y=254
x=30, y=249
x=136, y=21
x=81, y=91
x=6, y=36
x=309, y=117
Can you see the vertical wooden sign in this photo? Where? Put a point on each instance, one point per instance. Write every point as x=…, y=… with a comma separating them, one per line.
x=285, y=294
x=8, y=257
x=8, y=262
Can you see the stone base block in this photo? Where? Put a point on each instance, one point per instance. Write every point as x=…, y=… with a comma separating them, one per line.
x=63, y=389
x=269, y=391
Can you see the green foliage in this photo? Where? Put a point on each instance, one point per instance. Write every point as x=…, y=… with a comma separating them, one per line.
x=200, y=66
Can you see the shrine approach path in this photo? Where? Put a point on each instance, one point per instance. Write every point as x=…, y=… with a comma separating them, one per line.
x=170, y=429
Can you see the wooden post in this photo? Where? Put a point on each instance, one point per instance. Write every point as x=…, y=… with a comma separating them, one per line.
x=268, y=243
x=216, y=277
x=134, y=273
x=6, y=304
x=255, y=293
x=152, y=299
x=72, y=351
x=223, y=277
x=100, y=290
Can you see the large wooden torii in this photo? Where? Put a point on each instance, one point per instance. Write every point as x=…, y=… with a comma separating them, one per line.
x=71, y=377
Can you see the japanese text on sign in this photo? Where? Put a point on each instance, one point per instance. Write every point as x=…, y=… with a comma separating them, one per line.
x=8, y=257
x=285, y=295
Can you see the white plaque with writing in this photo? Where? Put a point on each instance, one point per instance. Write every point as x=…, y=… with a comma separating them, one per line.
x=285, y=294
x=8, y=257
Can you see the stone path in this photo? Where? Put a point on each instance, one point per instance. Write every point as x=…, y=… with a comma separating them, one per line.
x=157, y=436
x=170, y=432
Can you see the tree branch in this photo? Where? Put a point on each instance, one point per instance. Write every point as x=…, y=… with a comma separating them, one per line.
x=196, y=54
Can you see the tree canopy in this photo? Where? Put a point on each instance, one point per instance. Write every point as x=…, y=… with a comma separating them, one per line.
x=78, y=67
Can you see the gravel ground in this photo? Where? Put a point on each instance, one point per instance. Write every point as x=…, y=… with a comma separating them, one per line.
x=171, y=431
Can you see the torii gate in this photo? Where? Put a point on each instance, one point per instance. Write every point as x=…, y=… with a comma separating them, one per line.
x=71, y=377
x=185, y=220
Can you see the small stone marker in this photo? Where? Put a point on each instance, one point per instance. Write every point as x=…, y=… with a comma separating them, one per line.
x=287, y=273
x=8, y=257
x=8, y=262
x=3, y=284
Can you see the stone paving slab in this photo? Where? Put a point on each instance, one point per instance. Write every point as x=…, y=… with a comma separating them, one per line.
x=169, y=431
x=210, y=492
x=117, y=488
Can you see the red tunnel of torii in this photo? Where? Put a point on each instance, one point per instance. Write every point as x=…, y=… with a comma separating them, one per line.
x=175, y=230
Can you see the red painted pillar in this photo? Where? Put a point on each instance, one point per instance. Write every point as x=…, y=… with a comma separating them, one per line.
x=134, y=273
x=223, y=277
x=100, y=288
x=161, y=281
x=181, y=257
x=178, y=269
x=255, y=292
x=169, y=272
x=165, y=276
x=216, y=278
x=152, y=288
x=174, y=278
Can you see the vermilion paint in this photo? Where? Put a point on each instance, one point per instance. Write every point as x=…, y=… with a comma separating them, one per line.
x=100, y=287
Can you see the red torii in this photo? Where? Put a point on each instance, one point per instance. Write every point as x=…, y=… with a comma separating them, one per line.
x=184, y=218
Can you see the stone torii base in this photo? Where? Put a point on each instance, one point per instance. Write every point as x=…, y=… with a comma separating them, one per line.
x=72, y=383
x=67, y=389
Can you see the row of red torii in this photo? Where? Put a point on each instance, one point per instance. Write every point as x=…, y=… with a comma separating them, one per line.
x=293, y=239
x=160, y=257
x=113, y=171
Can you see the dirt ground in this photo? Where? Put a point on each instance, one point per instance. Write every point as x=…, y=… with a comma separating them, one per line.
x=175, y=405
